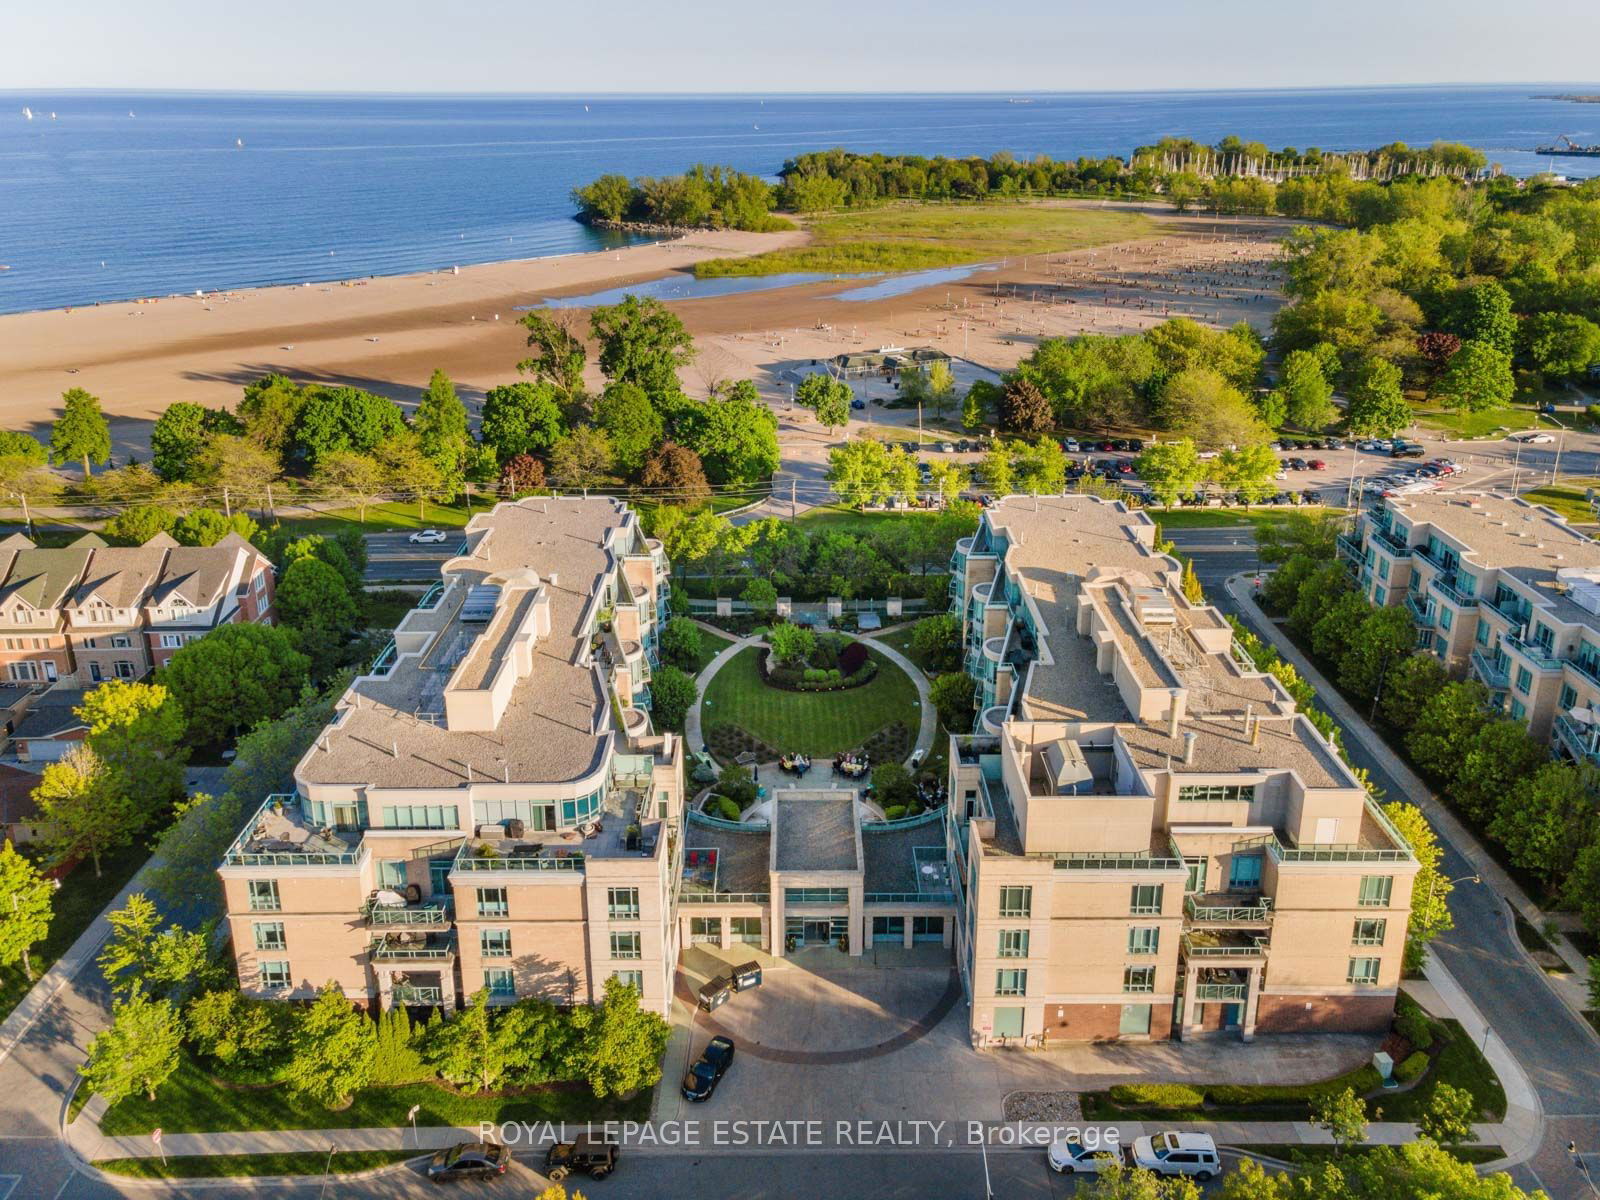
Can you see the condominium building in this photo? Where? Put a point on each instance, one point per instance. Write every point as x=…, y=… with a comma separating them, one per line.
x=1145, y=839
x=489, y=808
x=1501, y=590
x=89, y=612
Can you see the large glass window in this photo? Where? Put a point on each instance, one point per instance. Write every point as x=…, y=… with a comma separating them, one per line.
x=1244, y=872
x=626, y=945
x=269, y=935
x=1146, y=898
x=706, y=929
x=1375, y=891
x=1135, y=1019
x=492, y=902
x=633, y=979
x=816, y=895
x=264, y=895
x=500, y=981
x=746, y=930
x=1197, y=874
x=1139, y=979
x=622, y=904
x=1011, y=982
x=1013, y=943
x=494, y=943
x=1016, y=902
x=392, y=873
x=1144, y=939
x=1362, y=970
x=420, y=816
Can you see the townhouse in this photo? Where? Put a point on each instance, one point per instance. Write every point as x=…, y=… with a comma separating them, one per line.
x=1502, y=591
x=1145, y=839
x=89, y=612
x=489, y=808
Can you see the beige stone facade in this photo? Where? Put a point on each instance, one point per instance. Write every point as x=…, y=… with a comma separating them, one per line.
x=489, y=808
x=1145, y=839
x=1501, y=590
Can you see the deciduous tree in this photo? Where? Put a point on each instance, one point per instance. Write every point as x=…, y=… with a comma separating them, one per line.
x=522, y=418
x=641, y=342
x=1478, y=377
x=1430, y=890
x=440, y=423
x=181, y=432
x=583, y=458
x=233, y=677
x=352, y=477
x=827, y=397
x=138, y=1052
x=672, y=695
x=137, y=730
x=331, y=1051
x=676, y=475
x=83, y=808
x=25, y=908
x=623, y=1044
x=631, y=422
x=1170, y=470
x=952, y=697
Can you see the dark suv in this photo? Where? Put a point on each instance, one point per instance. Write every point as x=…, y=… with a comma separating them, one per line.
x=583, y=1153
x=702, y=1078
x=469, y=1160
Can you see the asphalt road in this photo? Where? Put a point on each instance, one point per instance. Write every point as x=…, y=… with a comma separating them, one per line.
x=391, y=557
x=1557, y=1050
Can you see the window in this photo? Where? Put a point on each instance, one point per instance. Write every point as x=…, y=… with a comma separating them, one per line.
x=95, y=673
x=1211, y=792
x=419, y=816
x=1375, y=891
x=263, y=895
x=1146, y=898
x=23, y=672
x=1447, y=617
x=1524, y=680
x=392, y=873
x=1481, y=635
x=1011, y=982
x=1380, y=595
x=500, y=981
x=269, y=935
x=439, y=876
x=626, y=945
x=121, y=642
x=1016, y=902
x=492, y=902
x=275, y=974
x=1135, y=1019
x=1139, y=979
x=1369, y=931
x=1013, y=943
x=494, y=943
x=1244, y=872
x=1569, y=696
x=1519, y=710
x=706, y=930
x=1383, y=569
x=122, y=669
x=1197, y=874
x=1144, y=939
x=816, y=895
x=622, y=904
x=171, y=641
x=746, y=930
x=633, y=979
x=1362, y=970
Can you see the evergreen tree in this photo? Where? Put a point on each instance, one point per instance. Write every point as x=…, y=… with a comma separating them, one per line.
x=81, y=433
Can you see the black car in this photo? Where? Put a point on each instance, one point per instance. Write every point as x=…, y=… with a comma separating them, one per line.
x=702, y=1078
x=469, y=1160
x=583, y=1153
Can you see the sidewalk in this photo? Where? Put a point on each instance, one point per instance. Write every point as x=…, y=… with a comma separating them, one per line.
x=1571, y=987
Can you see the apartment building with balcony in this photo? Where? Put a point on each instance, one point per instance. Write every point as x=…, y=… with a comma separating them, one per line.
x=1502, y=591
x=489, y=807
x=89, y=612
x=1145, y=839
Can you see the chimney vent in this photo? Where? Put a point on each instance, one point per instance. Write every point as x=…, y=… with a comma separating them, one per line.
x=1189, y=739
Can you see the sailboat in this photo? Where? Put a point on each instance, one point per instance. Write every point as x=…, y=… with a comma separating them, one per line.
x=239, y=142
x=28, y=113
x=52, y=116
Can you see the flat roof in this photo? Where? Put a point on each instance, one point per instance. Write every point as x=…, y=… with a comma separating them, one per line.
x=815, y=831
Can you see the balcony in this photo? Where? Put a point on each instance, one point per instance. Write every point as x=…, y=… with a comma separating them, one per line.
x=1216, y=910
x=1213, y=945
x=1507, y=607
x=1428, y=556
x=410, y=994
x=1421, y=611
x=1375, y=828
x=1581, y=742
x=1491, y=671
x=1348, y=547
x=479, y=854
x=1445, y=585
x=435, y=914
x=280, y=836
x=413, y=947
x=1225, y=993
x=1540, y=656
x=1589, y=668
x=1390, y=544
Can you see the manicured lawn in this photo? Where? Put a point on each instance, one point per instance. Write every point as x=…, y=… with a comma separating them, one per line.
x=77, y=902
x=194, y=1102
x=919, y=236
x=815, y=723
x=265, y=1165
x=380, y=518
x=1294, y=1152
x=385, y=609
x=1475, y=424
x=1460, y=1064
x=1567, y=500
x=711, y=645
x=1212, y=518
x=826, y=518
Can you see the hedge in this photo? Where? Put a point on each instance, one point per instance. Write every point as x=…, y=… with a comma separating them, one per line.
x=727, y=808
x=1158, y=1095
x=1413, y=1067
x=1411, y=1023
x=1363, y=1079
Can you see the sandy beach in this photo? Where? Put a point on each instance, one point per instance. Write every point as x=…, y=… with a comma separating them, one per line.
x=389, y=333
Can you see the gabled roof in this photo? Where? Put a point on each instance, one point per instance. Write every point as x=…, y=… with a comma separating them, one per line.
x=16, y=796
x=121, y=576
x=43, y=578
x=16, y=541
x=52, y=714
x=198, y=574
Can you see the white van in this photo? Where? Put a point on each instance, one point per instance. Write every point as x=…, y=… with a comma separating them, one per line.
x=1178, y=1154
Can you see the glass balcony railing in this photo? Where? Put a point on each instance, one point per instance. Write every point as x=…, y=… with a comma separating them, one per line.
x=1256, y=911
x=1491, y=671
x=405, y=993
x=1227, y=993
x=1580, y=741
x=1589, y=668
x=1541, y=656
x=1421, y=611
x=1390, y=543
x=1195, y=947
x=1348, y=547
x=1446, y=585
x=1509, y=608
x=396, y=948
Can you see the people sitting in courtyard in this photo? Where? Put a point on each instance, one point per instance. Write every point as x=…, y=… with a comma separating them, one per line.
x=794, y=764
x=855, y=766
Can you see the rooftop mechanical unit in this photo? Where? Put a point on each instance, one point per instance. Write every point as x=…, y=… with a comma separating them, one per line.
x=480, y=603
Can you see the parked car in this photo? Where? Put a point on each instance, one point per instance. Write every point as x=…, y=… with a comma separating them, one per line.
x=701, y=1079
x=858, y=403
x=1070, y=445
x=1406, y=450
x=585, y=1152
x=1368, y=445
x=1136, y=445
x=1316, y=464
x=1532, y=436
x=428, y=537
x=1068, y=1157
x=1174, y=1153
x=469, y=1160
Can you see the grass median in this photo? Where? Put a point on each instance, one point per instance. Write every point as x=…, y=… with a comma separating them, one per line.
x=230, y=1166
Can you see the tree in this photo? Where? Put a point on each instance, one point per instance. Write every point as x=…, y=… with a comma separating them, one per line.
x=1561, y=344
x=1185, y=345
x=469, y=1050
x=608, y=198
x=241, y=469
x=81, y=433
x=331, y=1051
x=1024, y=408
x=681, y=644
x=230, y=1027
x=1545, y=819
x=24, y=476
x=1200, y=404
x=181, y=432
x=356, y=478
x=1448, y=1118
x=982, y=400
x=344, y=418
x=631, y=422
x=1446, y=727
x=941, y=386
x=582, y=458
x=1116, y=1182
x=1344, y=1116
x=1592, y=982
x=1430, y=890
x=139, y=953
x=1376, y=407
x=1384, y=638
x=762, y=598
x=138, y=1052
x=1249, y=470
x=859, y=472
x=623, y=1043
x=270, y=411
x=1477, y=378
x=1192, y=591
x=137, y=525
x=827, y=397
x=936, y=642
x=137, y=731
x=1483, y=314
x=523, y=473
x=559, y=353
x=1500, y=754
x=441, y=426
x=407, y=469
x=947, y=480
x=1583, y=886
x=996, y=470
x=1437, y=348
x=792, y=645
x=952, y=698
x=1412, y=682
x=207, y=527
x=672, y=695
x=676, y=475
x=521, y=418
x=1306, y=392
x=1340, y=617
x=892, y=785
x=735, y=435
x=1041, y=467
x=1170, y=469
x=641, y=342
x=25, y=904
x=233, y=677
x=82, y=808
x=314, y=602
x=1298, y=533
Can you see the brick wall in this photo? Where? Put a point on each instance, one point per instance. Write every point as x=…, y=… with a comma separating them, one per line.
x=1326, y=1014
x=1100, y=1022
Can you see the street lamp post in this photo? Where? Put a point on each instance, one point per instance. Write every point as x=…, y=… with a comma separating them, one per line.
x=327, y=1171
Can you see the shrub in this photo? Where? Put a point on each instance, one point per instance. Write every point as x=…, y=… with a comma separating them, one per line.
x=1411, y=1023
x=737, y=784
x=1362, y=1080
x=834, y=675
x=852, y=658
x=815, y=675
x=1412, y=1068
x=727, y=809
x=1158, y=1095
x=894, y=812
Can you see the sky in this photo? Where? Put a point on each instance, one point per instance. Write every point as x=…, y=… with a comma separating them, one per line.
x=816, y=46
